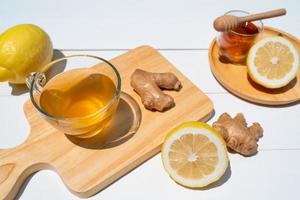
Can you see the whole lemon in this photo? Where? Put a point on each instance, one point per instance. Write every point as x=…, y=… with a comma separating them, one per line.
x=24, y=48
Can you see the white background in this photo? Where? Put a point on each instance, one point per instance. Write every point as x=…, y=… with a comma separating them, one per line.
x=182, y=31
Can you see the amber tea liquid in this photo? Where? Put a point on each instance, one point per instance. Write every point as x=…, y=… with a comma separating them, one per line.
x=79, y=95
x=234, y=45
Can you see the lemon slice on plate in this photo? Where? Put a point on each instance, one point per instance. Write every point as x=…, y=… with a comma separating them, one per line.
x=194, y=154
x=273, y=62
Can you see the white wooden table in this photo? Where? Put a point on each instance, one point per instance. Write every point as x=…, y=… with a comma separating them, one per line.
x=181, y=31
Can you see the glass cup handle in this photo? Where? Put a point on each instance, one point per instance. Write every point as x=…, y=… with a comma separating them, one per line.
x=35, y=81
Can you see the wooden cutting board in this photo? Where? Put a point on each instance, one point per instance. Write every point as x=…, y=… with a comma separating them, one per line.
x=235, y=77
x=88, y=165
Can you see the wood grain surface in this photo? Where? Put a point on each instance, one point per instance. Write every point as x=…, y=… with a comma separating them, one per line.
x=236, y=79
x=88, y=165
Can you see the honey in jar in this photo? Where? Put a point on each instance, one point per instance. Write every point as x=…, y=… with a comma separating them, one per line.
x=235, y=44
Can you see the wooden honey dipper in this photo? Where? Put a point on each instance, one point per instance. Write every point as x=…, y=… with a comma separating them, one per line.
x=228, y=22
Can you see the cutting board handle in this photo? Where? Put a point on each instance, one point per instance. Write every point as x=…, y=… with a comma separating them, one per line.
x=15, y=167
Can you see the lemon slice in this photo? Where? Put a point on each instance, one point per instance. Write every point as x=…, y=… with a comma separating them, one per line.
x=194, y=154
x=273, y=62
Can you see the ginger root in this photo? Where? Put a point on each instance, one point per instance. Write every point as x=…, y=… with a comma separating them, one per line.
x=237, y=135
x=148, y=86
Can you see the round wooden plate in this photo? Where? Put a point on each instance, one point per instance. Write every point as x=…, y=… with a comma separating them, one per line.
x=236, y=79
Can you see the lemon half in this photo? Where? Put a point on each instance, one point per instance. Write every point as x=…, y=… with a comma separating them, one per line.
x=273, y=62
x=194, y=154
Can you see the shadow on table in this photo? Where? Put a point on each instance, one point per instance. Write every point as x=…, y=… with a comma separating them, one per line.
x=23, y=187
x=19, y=89
x=221, y=181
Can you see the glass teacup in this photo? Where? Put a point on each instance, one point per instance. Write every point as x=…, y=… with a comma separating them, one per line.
x=82, y=105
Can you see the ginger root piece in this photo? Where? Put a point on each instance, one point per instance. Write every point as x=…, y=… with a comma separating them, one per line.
x=148, y=86
x=237, y=135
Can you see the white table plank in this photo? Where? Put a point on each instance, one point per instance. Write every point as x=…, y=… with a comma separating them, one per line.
x=281, y=131
x=280, y=125
x=193, y=63
x=268, y=175
x=126, y=24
